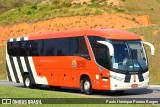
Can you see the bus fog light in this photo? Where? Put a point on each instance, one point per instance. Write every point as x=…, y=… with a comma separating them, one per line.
x=105, y=80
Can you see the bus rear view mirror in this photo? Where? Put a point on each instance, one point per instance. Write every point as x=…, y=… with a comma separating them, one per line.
x=109, y=45
x=151, y=46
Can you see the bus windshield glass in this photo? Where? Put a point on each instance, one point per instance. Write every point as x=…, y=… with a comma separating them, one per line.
x=129, y=56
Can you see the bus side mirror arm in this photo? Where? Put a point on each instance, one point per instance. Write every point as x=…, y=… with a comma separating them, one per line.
x=151, y=46
x=109, y=45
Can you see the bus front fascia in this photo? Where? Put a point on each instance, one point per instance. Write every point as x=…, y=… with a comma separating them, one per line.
x=111, y=52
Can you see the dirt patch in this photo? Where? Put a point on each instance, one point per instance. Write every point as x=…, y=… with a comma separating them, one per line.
x=116, y=21
x=144, y=20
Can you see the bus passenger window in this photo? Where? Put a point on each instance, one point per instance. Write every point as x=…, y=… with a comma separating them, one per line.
x=36, y=48
x=79, y=47
x=56, y=47
x=23, y=49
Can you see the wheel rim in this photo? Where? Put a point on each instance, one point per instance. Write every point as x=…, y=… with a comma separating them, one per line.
x=27, y=82
x=86, y=85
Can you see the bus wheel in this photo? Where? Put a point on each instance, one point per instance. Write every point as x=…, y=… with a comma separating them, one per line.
x=87, y=86
x=27, y=81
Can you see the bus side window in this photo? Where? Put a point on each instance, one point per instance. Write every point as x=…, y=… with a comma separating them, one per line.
x=62, y=47
x=101, y=52
x=56, y=47
x=22, y=48
x=74, y=46
x=79, y=47
x=18, y=48
x=36, y=48
x=12, y=48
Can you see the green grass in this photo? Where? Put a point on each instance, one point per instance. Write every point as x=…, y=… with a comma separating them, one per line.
x=55, y=8
x=31, y=11
x=14, y=92
x=6, y=5
x=43, y=12
x=154, y=61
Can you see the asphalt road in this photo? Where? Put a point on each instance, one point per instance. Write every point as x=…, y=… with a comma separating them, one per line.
x=153, y=91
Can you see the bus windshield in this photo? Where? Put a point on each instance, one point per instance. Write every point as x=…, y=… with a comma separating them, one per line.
x=129, y=56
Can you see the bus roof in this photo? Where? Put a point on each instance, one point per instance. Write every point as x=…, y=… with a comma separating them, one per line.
x=113, y=34
x=105, y=33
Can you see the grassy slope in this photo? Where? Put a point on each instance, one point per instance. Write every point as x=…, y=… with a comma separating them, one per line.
x=154, y=61
x=6, y=5
x=37, y=13
x=158, y=1
x=53, y=9
x=2, y=63
x=141, y=7
x=29, y=11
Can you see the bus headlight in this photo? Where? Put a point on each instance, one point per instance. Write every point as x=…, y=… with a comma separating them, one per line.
x=117, y=78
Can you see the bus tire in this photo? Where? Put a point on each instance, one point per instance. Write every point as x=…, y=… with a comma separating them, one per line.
x=87, y=86
x=81, y=86
x=27, y=81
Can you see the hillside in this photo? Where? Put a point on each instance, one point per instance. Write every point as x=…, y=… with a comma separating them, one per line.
x=117, y=21
x=27, y=17
x=52, y=15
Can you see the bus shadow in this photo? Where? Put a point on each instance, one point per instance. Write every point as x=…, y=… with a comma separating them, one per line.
x=125, y=93
x=101, y=93
x=112, y=93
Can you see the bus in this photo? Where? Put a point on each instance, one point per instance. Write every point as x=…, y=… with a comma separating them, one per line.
x=95, y=59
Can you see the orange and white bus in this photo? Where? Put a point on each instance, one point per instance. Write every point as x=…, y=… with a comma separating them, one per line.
x=99, y=59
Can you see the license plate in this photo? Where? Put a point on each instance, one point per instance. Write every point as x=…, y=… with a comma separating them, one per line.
x=134, y=85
